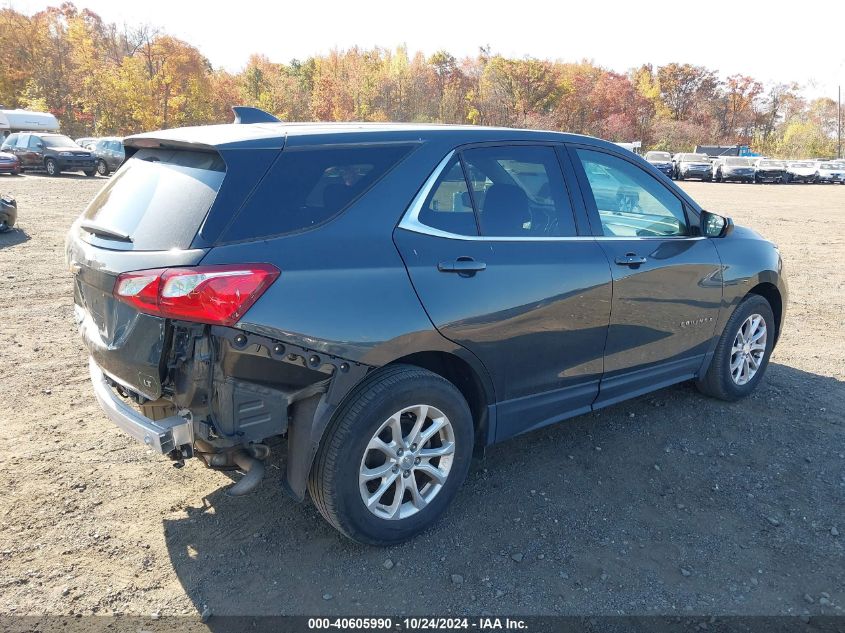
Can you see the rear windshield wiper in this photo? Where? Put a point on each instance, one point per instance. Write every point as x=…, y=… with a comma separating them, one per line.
x=104, y=231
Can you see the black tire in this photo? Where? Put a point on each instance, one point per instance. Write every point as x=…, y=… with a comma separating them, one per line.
x=334, y=480
x=51, y=167
x=680, y=176
x=91, y=173
x=102, y=168
x=718, y=382
x=785, y=179
x=718, y=176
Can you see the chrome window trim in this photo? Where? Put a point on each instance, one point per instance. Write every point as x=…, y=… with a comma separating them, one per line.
x=411, y=221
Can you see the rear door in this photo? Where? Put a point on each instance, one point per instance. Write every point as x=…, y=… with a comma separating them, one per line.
x=667, y=279
x=493, y=249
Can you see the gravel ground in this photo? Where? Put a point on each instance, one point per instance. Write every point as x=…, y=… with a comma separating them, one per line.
x=669, y=504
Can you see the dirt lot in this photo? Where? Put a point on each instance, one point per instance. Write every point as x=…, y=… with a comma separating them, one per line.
x=672, y=503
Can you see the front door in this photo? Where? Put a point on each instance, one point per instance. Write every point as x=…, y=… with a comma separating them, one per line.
x=493, y=252
x=667, y=279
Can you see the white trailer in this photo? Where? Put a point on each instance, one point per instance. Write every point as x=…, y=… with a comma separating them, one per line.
x=27, y=121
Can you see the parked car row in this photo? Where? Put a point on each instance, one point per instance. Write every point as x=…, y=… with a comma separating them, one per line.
x=57, y=153
x=687, y=165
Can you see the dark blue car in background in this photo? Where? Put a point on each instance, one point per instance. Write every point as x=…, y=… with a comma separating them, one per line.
x=390, y=298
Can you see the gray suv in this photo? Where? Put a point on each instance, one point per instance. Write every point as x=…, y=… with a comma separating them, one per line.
x=108, y=152
x=392, y=298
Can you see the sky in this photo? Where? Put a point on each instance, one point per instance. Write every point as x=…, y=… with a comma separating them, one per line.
x=771, y=40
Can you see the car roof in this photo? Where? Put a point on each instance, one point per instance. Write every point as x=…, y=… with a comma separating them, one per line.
x=277, y=135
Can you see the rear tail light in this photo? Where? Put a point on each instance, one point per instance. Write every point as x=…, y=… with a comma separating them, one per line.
x=218, y=295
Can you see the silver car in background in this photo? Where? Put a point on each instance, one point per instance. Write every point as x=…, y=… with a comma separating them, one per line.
x=831, y=171
x=737, y=168
x=801, y=171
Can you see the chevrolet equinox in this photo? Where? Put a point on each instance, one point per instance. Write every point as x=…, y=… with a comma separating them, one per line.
x=392, y=298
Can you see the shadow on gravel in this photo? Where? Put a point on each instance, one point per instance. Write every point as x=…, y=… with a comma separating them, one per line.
x=669, y=504
x=13, y=237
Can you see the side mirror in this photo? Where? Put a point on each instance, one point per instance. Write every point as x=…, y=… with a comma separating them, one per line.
x=713, y=225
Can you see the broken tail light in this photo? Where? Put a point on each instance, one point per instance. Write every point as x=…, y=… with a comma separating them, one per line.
x=217, y=295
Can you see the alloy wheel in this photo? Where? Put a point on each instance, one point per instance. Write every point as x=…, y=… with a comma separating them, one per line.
x=748, y=349
x=406, y=462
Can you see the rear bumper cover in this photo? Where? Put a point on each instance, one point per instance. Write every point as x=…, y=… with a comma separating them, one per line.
x=162, y=436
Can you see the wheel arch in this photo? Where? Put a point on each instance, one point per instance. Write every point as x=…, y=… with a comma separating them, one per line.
x=311, y=417
x=772, y=295
x=470, y=382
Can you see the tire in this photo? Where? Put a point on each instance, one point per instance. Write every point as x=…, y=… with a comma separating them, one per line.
x=785, y=179
x=51, y=167
x=680, y=176
x=4, y=226
x=102, y=168
x=91, y=174
x=718, y=176
x=719, y=380
x=336, y=483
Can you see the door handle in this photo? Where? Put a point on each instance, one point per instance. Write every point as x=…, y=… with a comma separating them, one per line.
x=463, y=266
x=631, y=259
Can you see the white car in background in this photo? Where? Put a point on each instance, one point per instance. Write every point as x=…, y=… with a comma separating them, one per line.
x=830, y=171
x=801, y=171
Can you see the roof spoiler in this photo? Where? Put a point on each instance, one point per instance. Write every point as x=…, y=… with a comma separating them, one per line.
x=248, y=114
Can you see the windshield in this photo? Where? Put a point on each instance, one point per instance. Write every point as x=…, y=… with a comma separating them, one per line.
x=58, y=141
x=738, y=162
x=772, y=163
x=695, y=158
x=800, y=164
x=659, y=156
x=158, y=198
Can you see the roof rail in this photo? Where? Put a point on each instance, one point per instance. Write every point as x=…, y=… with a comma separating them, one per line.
x=248, y=114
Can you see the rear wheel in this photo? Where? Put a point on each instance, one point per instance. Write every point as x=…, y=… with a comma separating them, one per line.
x=743, y=351
x=393, y=457
x=102, y=168
x=51, y=167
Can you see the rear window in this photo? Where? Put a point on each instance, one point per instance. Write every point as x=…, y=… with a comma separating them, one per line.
x=159, y=198
x=306, y=187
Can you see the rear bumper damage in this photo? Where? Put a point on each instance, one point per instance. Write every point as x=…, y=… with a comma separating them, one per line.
x=224, y=392
x=162, y=436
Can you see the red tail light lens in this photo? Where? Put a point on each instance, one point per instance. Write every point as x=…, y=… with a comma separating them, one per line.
x=218, y=295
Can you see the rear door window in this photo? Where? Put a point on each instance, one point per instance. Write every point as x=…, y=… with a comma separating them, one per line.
x=519, y=191
x=158, y=199
x=449, y=206
x=306, y=187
